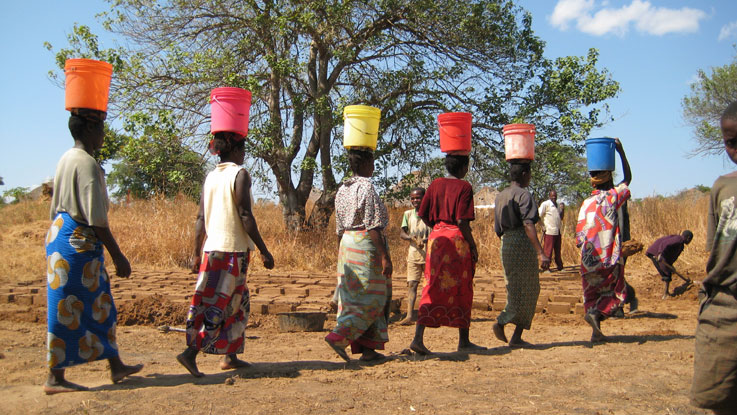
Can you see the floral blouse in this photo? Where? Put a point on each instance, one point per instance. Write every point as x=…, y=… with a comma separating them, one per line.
x=358, y=206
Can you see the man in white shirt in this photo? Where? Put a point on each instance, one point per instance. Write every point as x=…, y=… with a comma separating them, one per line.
x=552, y=223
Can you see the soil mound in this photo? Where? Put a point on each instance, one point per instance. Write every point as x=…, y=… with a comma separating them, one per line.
x=152, y=310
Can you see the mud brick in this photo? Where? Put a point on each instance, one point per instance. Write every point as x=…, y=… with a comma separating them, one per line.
x=25, y=299
x=309, y=308
x=307, y=281
x=7, y=298
x=296, y=292
x=558, y=308
x=271, y=290
x=39, y=299
x=545, y=296
x=320, y=292
x=281, y=308
x=570, y=299
x=498, y=304
x=539, y=307
x=480, y=303
x=578, y=309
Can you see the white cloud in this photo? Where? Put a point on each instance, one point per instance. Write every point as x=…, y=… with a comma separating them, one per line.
x=645, y=17
x=567, y=10
x=729, y=30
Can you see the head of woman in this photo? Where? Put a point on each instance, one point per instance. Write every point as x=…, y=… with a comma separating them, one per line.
x=361, y=162
x=457, y=165
x=601, y=179
x=231, y=147
x=87, y=127
x=520, y=173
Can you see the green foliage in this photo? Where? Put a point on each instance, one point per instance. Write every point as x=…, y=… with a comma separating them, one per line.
x=703, y=189
x=157, y=164
x=17, y=193
x=305, y=60
x=703, y=107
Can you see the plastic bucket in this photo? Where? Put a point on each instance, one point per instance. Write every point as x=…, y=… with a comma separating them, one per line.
x=600, y=154
x=455, y=131
x=229, y=110
x=87, y=84
x=519, y=141
x=361, y=126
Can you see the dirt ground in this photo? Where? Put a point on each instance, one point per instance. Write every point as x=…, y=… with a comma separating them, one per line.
x=645, y=368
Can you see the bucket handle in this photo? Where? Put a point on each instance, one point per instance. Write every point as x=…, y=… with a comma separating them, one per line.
x=360, y=130
x=440, y=126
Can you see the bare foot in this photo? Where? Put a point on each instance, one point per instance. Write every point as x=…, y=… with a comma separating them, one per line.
x=596, y=335
x=119, y=374
x=371, y=356
x=236, y=363
x=407, y=321
x=598, y=338
x=189, y=364
x=470, y=347
x=62, y=387
x=520, y=344
x=339, y=350
x=498, y=330
x=419, y=348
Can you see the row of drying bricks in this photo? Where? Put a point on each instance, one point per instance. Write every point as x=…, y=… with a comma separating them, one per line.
x=273, y=293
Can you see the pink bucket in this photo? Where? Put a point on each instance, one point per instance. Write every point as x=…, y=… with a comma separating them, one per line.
x=519, y=141
x=229, y=108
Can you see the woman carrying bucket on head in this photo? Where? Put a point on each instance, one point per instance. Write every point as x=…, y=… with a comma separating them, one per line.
x=515, y=215
x=364, y=267
x=447, y=208
x=218, y=315
x=598, y=235
x=81, y=314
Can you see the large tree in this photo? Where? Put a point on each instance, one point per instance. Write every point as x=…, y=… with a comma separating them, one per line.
x=703, y=107
x=305, y=60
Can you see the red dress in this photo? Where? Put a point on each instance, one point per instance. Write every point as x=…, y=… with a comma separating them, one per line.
x=449, y=268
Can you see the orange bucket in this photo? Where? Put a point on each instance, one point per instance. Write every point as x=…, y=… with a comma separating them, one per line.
x=455, y=131
x=519, y=141
x=87, y=84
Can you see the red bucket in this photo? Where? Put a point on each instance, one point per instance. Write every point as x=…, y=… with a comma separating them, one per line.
x=455, y=131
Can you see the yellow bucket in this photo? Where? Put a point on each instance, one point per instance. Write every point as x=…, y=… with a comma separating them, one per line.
x=361, y=128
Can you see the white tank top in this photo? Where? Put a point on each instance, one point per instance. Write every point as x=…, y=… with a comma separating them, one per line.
x=223, y=224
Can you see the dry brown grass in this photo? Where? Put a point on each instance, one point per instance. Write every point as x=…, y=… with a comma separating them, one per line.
x=158, y=233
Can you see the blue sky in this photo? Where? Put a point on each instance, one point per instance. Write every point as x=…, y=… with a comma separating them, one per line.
x=653, y=48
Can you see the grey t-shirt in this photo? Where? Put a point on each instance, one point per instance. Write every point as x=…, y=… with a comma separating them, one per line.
x=79, y=189
x=721, y=234
x=513, y=208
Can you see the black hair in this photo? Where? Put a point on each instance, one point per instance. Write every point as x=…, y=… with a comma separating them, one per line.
x=224, y=142
x=417, y=189
x=77, y=126
x=454, y=163
x=356, y=158
x=517, y=170
x=687, y=234
x=730, y=112
x=82, y=120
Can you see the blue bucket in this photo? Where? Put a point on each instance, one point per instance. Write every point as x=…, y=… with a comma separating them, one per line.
x=600, y=154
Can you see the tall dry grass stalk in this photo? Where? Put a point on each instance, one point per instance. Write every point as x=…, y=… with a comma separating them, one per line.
x=158, y=233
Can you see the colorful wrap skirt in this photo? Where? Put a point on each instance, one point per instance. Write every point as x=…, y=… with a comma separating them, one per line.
x=218, y=315
x=363, y=292
x=521, y=277
x=604, y=290
x=447, y=297
x=81, y=314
